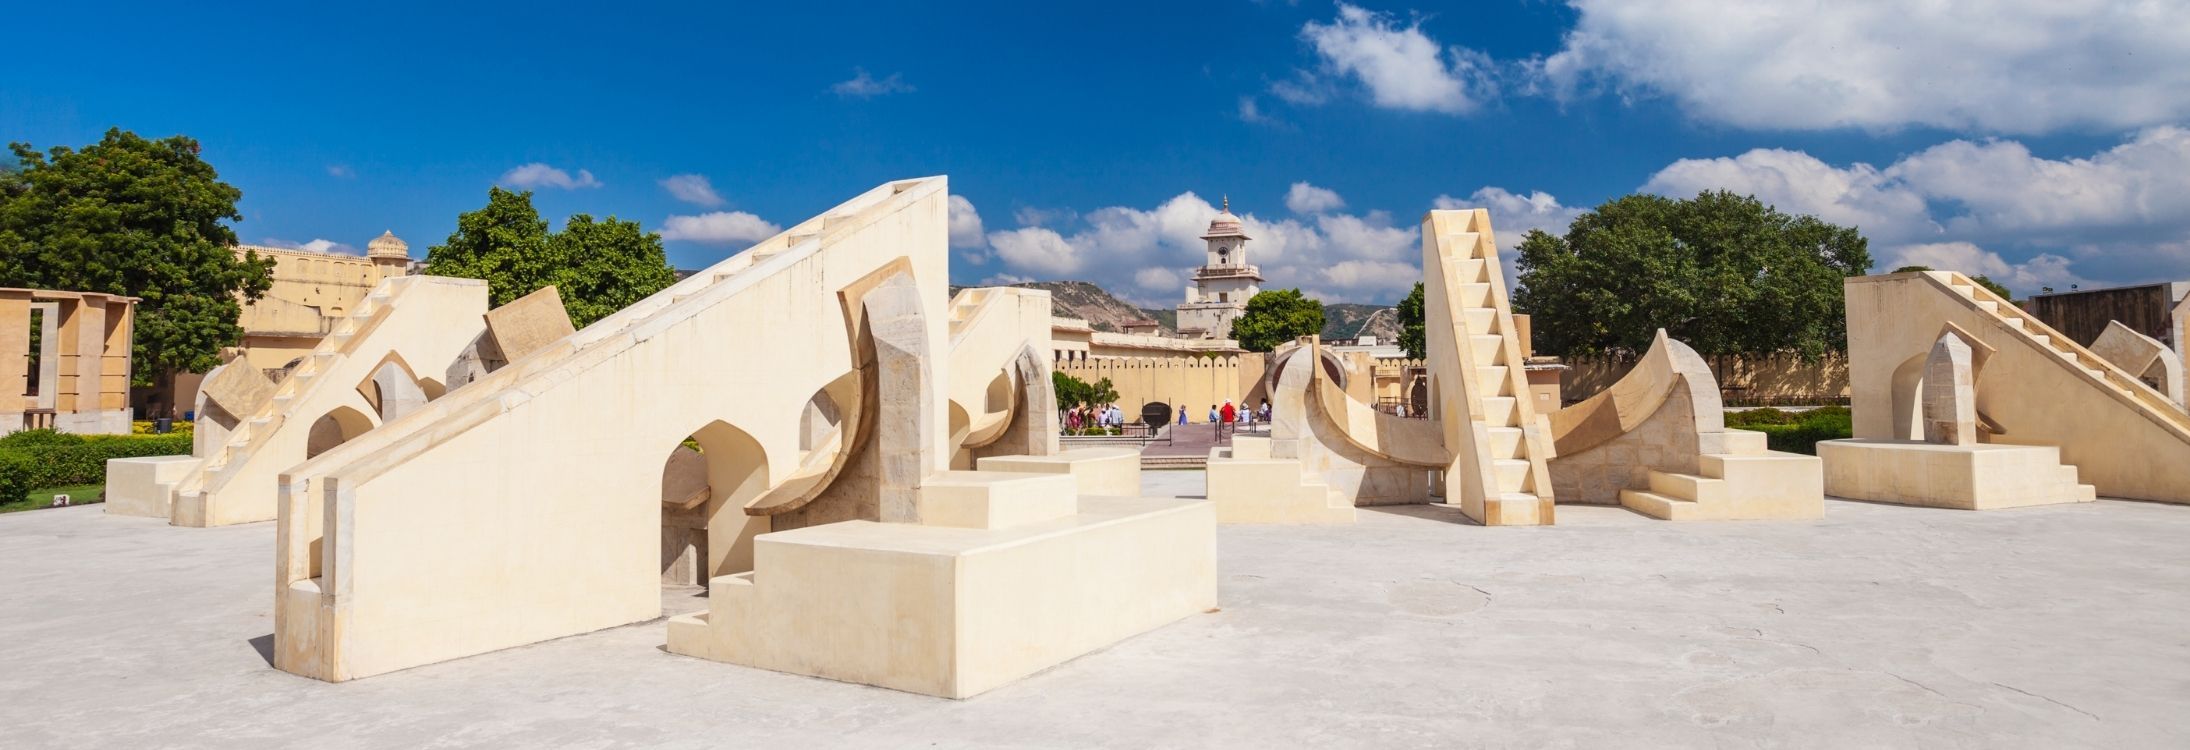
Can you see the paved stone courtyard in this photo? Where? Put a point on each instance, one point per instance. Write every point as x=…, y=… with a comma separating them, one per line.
x=1879, y=626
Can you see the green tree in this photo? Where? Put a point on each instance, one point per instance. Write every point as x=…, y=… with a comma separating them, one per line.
x=1981, y=279
x=1722, y=272
x=1410, y=324
x=1276, y=316
x=598, y=267
x=136, y=217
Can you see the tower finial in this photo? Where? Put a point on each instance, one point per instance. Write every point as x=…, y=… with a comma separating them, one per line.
x=1227, y=204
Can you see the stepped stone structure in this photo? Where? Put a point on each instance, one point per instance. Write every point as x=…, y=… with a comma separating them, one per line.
x=835, y=536
x=77, y=380
x=2046, y=421
x=1482, y=445
x=2144, y=357
x=1656, y=442
x=398, y=349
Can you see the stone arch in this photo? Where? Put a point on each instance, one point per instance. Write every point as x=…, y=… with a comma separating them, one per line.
x=392, y=389
x=335, y=428
x=1908, y=390
x=707, y=478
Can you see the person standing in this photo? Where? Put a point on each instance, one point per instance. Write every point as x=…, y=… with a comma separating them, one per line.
x=1228, y=413
x=1182, y=414
x=1212, y=413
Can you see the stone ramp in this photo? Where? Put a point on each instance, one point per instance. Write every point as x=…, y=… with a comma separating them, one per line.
x=2035, y=387
x=526, y=505
x=1500, y=474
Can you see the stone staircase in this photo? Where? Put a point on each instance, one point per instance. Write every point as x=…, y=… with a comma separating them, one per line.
x=1499, y=389
x=1735, y=484
x=2092, y=366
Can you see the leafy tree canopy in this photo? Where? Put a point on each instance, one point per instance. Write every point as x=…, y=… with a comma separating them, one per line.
x=1982, y=280
x=1722, y=272
x=136, y=217
x=598, y=267
x=1276, y=316
x=1410, y=323
x=1072, y=391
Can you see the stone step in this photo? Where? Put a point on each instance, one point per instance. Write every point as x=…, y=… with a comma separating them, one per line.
x=1688, y=487
x=1479, y=319
x=1498, y=411
x=1470, y=270
x=1512, y=474
x=1490, y=348
x=1656, y=505
x=1491, y=381
x=1736, y=442
x=1473, y=295
x=1505, y=442
x=1513, y=509
x=2012, y=322
x=1990, y=307
x=996, y=499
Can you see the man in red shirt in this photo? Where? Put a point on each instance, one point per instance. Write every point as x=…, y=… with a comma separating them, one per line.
x=1228, y=413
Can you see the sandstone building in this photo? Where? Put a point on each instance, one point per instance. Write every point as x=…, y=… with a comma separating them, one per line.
x=1223, y=285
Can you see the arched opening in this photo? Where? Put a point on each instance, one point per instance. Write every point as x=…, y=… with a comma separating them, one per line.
x=1908, y=388
x=335, y=428
x=707, y=479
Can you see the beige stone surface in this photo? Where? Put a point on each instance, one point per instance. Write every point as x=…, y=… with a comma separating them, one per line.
x=82, y=382
x=1983, y=476
x=413, y=323
x=236, y=390
x=143, y=486
x=529, y=323
x=2036, y=388
x=1103, y=471
x=1248, y=486
x=484, y=521
x=1500, y=445
x=312, y=293
x=2142, y=356
x=954, y=612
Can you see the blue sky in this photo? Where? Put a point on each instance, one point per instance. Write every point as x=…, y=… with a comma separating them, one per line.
x=2038, y=142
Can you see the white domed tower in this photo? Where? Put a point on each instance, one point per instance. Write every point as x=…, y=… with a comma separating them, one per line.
x=390, y=254
x=1223, y=284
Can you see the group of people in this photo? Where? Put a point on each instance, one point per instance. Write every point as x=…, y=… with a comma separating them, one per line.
x=1107, y=415
x=1227, y=414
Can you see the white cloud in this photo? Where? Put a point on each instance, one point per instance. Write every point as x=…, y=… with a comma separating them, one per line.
x=1304, y=88
x=1513, y=214
x=2043, y=270
x=1158, y=278
x=2014, y=66
x=1144, y=254
x=1029, y=216
x=693, y=189
x=330, y=247
x=1858, y=195
x=965, y=223
x=1251, y=112
x=341, y=171
x=864, y=86
x=536, y=175
x=2121, y=215
x=1304, y=198
x=719, y=228
x=1402, y=67
x=1036, y=249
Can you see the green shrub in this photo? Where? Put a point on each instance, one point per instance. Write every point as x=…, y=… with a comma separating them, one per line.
x=74, y=459
x=39, y=438
x=1796, y=432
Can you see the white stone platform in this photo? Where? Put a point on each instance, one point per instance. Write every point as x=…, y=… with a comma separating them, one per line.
x=1984, y=476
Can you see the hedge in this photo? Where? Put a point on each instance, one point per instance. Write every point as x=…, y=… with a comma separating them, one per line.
x=36, y=459
x=1796, y=432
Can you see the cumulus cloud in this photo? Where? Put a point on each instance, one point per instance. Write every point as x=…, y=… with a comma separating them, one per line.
x=2121, y=215
x=719, y=228
x=693, y=189
x=1143, y=254
x=2046, y=269
x=341, y=171
x=1401, y=67
x=330, y=247
x=1512, y=215
x=864, y=86
x=965, y=223
x=2010, y=66
x=536, y=176
x=1304, y=198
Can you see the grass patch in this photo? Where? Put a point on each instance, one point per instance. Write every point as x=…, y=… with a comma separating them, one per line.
x=79, y=494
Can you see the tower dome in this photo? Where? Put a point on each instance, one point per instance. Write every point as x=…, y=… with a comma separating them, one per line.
x=387, y=245
x=1226, y=224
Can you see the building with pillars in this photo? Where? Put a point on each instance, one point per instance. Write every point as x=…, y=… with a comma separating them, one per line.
x=64, y=361
x=1224, y=283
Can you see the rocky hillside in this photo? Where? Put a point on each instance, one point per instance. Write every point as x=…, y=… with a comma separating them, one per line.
x=1347, y=320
